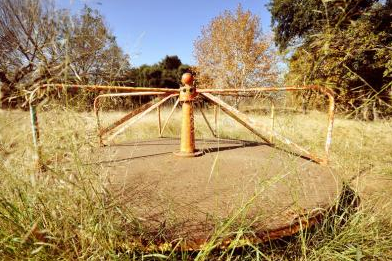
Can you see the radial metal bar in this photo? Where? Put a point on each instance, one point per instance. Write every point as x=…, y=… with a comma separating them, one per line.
x=110, y=88
x=159, y=120
x=100, y=131
x=251, y=125
x=126, y=118
x=234, y=113
x=125, y=94
x=168, y=118
x=321, y=89
x=137, y=117
x=327, y=91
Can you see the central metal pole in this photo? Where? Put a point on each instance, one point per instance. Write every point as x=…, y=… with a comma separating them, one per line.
x=187, y=129
x=187, y=96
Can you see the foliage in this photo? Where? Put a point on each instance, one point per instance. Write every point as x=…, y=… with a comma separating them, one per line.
x=294, y=20
x=70, y=211
x=93, y=51
x=345, y=45
x=166, y=73
x=41, y=44
x=233, y=53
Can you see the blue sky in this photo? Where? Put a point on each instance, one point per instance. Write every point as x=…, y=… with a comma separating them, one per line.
x=148, y=30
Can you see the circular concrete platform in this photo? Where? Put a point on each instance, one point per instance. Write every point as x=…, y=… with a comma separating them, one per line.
x=236, y=185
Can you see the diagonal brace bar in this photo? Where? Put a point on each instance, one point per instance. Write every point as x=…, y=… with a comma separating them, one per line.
x=168, y=117
x=207, y=122
x=251, y=125
x=137, y=117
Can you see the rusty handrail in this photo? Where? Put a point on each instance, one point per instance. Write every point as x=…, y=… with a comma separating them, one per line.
x=110, y=88
x=207, y=94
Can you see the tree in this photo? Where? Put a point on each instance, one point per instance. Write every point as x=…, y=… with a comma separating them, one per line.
x=40, y=44
x=233, y=53
x=349, y=51
x=94, y=56
x=165, y=74
x=293, y=20
x=27, y=38
x=170, y=62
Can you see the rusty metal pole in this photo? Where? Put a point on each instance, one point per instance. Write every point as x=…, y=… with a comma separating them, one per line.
x=272, y=118
x=216, y=119
x=37, y=144
x=159, y=121
x=187, y=96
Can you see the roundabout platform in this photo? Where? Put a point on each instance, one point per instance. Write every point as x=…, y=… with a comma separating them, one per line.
x=235, y=185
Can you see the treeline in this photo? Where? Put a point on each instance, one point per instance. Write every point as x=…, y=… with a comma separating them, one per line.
x=342, y=44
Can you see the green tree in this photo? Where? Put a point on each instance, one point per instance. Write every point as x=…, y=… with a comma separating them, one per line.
x=170, y=62
x=165, y=74
x=346, y=45
x=294, y=21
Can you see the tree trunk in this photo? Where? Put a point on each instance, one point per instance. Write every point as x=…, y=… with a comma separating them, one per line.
x=4, y=95
x=375, y=111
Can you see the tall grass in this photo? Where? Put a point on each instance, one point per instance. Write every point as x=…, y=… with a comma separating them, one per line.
x=67, y=212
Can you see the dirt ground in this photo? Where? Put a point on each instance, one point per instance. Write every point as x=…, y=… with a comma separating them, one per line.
x=234, y=184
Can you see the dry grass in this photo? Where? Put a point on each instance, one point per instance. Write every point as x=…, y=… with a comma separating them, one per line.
x=67, y=212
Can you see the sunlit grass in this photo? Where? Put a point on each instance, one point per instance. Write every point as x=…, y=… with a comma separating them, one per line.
x=67, y=212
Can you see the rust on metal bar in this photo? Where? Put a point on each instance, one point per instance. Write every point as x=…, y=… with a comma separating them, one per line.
x=137, y=117
x=159, y=120
x=125, y=94
x=97, y=105
x=323, y=90
x=207, y=93
x=251, y=125
x=126, y=118
x=331, y=116
x=168, y=117
x=272, y=118
x=110, y=88
x=207, y=122
x=216, y=119
x=188, y=95
x=268, y=89
x=235, y=114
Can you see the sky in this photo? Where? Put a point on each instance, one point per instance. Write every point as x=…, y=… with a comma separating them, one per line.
x=149, y=30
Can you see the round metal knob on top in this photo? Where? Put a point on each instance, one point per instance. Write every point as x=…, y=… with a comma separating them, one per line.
x=187, y=79
x=188, y=91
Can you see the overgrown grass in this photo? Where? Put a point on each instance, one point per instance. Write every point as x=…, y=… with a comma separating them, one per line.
x=67, y=211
